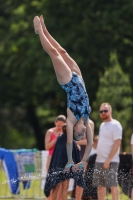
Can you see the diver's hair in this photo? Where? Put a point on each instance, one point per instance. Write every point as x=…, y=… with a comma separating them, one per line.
x=107, y=104
x=64, y=129
x=60, y=118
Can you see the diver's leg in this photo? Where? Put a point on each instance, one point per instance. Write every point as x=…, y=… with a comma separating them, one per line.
x=69, y=61
x=62, y=70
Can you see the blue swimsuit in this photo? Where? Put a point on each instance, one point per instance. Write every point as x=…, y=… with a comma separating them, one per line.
x=77, y=98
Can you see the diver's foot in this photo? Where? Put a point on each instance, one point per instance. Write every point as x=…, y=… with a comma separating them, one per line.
x=37, y=24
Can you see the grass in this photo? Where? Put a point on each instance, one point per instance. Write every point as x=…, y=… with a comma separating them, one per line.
x=34, y=192
x=122, y=196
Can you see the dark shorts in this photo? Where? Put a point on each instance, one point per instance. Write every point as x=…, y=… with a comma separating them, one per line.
x=103, y=177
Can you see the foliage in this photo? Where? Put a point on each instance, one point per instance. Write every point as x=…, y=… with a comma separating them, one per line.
x=88, y=30
x=115, y=89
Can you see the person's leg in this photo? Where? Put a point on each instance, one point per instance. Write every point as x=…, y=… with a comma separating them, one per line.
x=59, y=192
x=69, y=61
x=54, y=192
x=64, y=189
x=48, y=162
x=47, y=167
x=101, y=191
x=62, y=70
x=112, y=179
x=71, y=120
x=70, y=187
x=79, y=192
x=49, y=198
x=114, y=192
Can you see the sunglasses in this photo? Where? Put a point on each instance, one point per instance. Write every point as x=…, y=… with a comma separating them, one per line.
x=103, y=111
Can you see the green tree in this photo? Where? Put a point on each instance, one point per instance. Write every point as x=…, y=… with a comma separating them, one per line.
x=115, y=89
x=88, y=30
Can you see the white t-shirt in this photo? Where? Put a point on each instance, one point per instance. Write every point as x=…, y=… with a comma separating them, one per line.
x=131, y=139
x=108, y=133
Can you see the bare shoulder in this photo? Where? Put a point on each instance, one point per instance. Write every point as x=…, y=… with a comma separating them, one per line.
x=49, y=132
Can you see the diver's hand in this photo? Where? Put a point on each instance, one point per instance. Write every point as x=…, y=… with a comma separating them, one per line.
x=79, y=166
x=68, y=166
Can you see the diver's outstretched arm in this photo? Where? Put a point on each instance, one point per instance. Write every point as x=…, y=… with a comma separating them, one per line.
x=71, y=120
x=89, y=137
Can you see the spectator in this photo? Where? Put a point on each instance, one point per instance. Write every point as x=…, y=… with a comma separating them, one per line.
x=57, y=179
x=51, y=136
x=108, y=149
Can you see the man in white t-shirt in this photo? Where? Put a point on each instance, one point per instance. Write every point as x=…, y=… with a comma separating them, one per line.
x=108, y=149
x=132, y=165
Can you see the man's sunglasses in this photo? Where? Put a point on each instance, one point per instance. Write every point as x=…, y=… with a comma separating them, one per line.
x=103, y=111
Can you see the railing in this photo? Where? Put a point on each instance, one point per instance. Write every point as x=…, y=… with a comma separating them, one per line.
x=22, y=176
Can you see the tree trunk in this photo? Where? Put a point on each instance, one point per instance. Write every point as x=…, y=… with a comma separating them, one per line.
x=33, y=120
